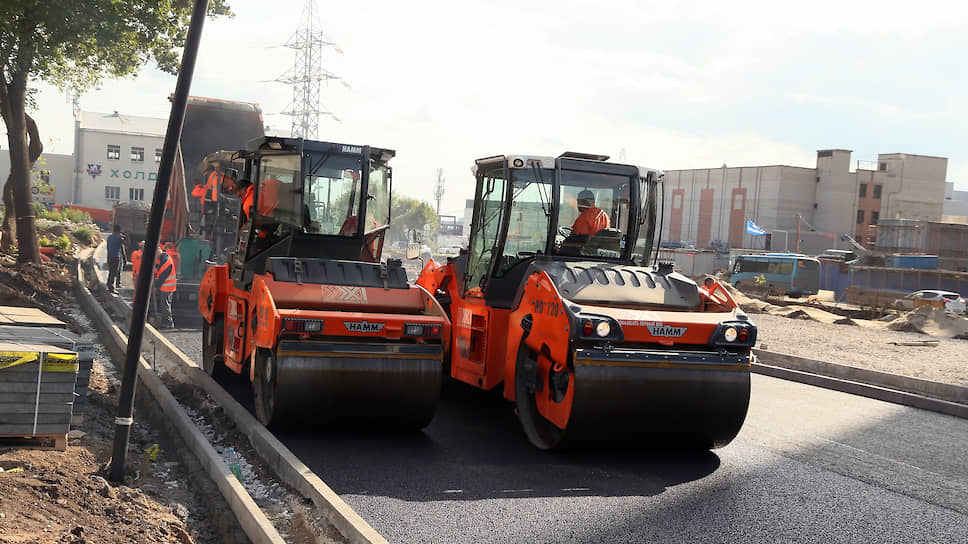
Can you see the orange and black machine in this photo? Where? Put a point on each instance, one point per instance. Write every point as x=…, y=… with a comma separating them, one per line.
x=325, y=330
x=559, y=302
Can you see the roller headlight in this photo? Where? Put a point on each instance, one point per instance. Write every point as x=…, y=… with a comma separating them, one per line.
x=730, y=334
x=603, y=329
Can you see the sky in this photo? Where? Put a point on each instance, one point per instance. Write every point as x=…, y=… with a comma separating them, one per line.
x=665, y=84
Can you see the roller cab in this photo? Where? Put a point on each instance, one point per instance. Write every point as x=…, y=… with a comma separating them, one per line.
x=326, y=331
x=556, y=302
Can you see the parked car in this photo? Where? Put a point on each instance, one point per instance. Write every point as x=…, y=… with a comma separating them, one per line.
x=838, y=255
x=953, y=302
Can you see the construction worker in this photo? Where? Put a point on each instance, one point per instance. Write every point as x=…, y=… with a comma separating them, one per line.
x=244, y=190
x=136, y=262
x=165, y=285
x=173, y=253
x=116, y=258
x=591, y=219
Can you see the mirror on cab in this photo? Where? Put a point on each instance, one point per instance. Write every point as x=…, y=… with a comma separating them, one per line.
x=413, y=245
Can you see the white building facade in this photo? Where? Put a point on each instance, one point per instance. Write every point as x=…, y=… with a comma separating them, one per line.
x=116, y=158
x=52, y=178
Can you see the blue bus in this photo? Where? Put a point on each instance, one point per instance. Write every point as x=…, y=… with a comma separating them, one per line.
x=776, y=273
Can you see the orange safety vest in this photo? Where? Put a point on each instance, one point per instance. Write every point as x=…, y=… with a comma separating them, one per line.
x=171, y=282
x=135, y=264
x=590, y=221
x=175, y=256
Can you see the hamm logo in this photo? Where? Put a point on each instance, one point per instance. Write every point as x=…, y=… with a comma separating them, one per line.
x=666, y=331
x=363, y=326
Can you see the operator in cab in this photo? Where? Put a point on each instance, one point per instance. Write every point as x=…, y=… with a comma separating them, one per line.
x=591, y=218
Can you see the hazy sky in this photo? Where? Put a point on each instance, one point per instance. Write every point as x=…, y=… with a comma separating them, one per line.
x=669, y=84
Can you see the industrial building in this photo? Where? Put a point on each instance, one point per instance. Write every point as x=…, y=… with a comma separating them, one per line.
x=116, y=158
x=703, y=206
x=955, y=205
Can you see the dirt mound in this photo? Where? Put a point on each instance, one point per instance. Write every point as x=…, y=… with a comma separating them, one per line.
x=53, y=230
x=47, y=286
x=932, y=321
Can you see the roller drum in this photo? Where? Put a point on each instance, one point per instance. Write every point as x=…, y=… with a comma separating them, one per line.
x=368, y=385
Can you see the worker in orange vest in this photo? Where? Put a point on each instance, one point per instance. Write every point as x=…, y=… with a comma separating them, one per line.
x=591, y=219
x=136, y=262
x=173, y=253
x=165, y=285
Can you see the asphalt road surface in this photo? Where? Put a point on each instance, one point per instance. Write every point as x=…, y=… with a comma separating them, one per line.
x=810, y=465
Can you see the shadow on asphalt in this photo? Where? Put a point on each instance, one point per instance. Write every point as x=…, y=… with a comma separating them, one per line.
x=475, y=449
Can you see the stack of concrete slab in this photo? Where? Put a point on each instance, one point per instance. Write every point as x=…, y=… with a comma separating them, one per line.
x=64, y=339
x=28, y=317
x=36, y=391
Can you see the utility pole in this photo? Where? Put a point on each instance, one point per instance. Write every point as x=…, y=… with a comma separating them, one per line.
x=139, y=307
x=307, y=74
x=798, y=233
x=439, y=188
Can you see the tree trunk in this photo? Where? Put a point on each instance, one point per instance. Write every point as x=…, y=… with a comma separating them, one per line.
x=34, y=149
x=16, y=119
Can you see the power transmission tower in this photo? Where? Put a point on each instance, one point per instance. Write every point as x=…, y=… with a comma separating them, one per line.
x=439, y=188
x=307, y=74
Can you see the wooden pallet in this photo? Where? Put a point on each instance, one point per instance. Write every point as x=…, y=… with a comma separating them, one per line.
x=37, y=442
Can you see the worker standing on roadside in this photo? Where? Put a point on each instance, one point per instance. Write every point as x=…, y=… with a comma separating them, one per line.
x=165, y=285
x=173, y=253
x=116, y=259
x=136, y=262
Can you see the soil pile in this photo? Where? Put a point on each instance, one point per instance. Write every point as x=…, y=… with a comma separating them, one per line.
x=932, y=321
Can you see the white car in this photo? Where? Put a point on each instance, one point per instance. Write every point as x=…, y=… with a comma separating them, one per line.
x=953, y=302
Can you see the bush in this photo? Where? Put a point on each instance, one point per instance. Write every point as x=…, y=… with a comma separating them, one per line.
x=54, y=216
x=62, y=243
x=84, y=234
x=44, y=242
x=77, y=216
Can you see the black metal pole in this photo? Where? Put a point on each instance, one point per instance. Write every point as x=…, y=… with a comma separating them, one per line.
x=139, y=308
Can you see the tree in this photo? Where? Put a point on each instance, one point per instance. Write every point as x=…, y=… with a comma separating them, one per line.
x=73, y=45
x=414, y=214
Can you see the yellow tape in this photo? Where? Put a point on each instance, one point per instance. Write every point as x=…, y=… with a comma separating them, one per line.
x=53, y=362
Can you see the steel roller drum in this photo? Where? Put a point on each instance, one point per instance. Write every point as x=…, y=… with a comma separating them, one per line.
x=366, y=385
x=661, y=399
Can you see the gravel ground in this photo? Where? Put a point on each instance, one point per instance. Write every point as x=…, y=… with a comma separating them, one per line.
x=865, y=347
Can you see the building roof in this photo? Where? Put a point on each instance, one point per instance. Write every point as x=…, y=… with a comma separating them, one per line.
x=123, y=123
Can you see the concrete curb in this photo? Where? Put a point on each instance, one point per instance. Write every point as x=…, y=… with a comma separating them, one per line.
x=286, y=465
x=253, y=521
x=925, y=394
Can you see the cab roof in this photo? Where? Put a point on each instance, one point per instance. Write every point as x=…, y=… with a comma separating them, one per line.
x=521, y=161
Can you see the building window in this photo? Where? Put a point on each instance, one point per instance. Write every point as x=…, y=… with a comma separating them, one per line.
x=860, y=216
x=677, y=202
x=114, y=152
x=874, y=217
x=877, y=191
x=863, y=190
x=136, y=194
x=738, y=201
x=112, y=193
x=157, y=155
x=137, y=154
x=882, y=166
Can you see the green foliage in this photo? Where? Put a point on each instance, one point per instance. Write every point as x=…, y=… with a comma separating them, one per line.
x=75, y=45
x=53, y=216
x=414, y=214
x=44, y=242
x=62, y=243
x=77, y=216
x=84, y=234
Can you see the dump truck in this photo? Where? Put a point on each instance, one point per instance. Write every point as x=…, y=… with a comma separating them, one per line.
x=325, y=330
x=200, y=218
x=559, y=304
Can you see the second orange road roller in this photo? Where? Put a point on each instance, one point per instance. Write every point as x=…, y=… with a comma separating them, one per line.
x=304, y=307
x=559, y=303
